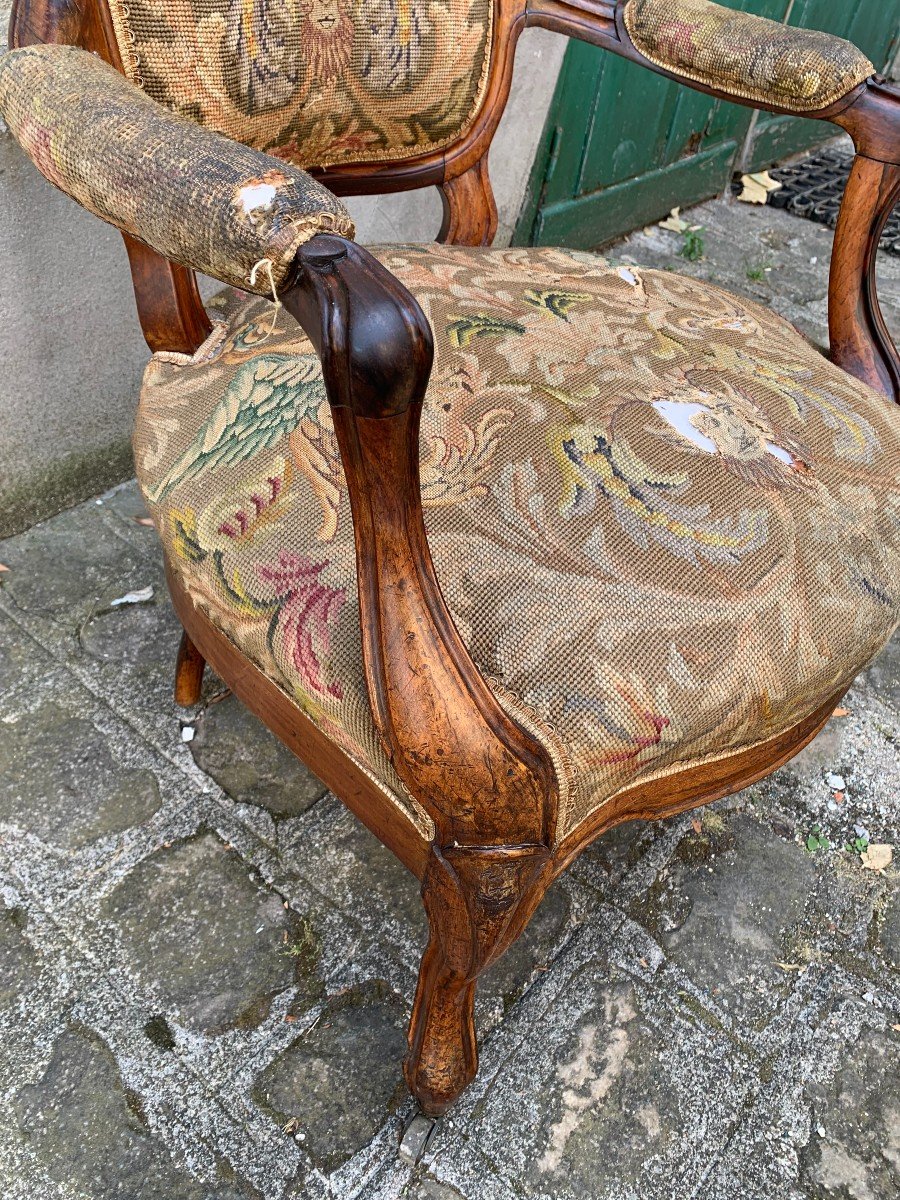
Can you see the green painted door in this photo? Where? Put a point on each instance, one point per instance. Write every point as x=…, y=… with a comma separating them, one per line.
x=622, y=146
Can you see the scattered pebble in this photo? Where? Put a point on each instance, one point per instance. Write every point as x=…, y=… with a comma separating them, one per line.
x=837, y=783
x=187, y=733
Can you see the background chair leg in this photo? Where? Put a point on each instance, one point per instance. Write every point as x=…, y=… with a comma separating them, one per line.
x=478, y=900
x=188, y=673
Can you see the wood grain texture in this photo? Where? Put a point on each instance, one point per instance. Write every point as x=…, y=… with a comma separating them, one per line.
x=170, y=310
x=189, y=668
x=470, y=211
x=860, y=341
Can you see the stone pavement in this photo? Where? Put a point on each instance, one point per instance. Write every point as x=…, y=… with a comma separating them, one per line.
x=206, y=964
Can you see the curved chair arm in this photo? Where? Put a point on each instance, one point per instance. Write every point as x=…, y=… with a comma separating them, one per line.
x=193, y=196
x=730, y=54
x=753, y=61
x=745, y=57
x=482, y=778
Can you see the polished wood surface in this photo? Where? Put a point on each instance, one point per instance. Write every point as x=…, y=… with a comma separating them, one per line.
x=486, y=783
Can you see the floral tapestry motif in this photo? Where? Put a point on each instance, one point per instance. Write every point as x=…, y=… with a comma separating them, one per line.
x=316, y=82
x=666, y=527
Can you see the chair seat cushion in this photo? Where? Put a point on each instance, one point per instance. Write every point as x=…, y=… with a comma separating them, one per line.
x=667, y=528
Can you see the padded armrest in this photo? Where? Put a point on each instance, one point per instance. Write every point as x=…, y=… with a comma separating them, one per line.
x=194, y=196
x=748, y=57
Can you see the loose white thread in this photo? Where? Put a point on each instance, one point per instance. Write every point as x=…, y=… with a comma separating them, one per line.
x=267, y=263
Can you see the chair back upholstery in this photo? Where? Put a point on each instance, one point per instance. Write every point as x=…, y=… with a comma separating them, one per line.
x=316, y=82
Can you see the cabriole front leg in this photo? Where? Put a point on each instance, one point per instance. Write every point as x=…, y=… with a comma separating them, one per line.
x=478, y=900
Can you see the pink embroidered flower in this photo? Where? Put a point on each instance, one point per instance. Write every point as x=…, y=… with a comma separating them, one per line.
x=244, y=520
x=37, y=140
x=309, y=608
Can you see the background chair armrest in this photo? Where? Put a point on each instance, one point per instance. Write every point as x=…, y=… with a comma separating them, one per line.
x=745, y=57
x=194, y=196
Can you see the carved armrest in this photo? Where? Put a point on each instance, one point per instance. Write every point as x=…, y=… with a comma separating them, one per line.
x=485, y=780
x=194, y=196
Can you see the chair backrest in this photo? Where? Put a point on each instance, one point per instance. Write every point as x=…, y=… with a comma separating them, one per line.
x=317, y=82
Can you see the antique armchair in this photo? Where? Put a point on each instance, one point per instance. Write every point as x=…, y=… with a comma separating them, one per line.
x=663, y=532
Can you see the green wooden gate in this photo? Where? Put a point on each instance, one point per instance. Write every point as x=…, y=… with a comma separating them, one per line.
x=622, y=146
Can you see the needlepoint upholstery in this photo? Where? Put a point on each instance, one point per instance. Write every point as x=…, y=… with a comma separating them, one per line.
x=667, y=528
x=316, y=82
x=801, y=70
x=192, y=195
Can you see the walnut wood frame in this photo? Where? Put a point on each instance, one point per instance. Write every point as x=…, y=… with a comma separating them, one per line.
x=487, y=783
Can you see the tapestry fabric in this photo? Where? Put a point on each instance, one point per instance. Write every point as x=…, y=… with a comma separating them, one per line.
x=194, y=196
x=316, y=82
x=801, y=70
x=667, y=528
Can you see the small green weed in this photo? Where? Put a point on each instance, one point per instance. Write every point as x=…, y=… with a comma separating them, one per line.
x=757, y=272
x=692, y=244
x=857, y=846
x=817, y=840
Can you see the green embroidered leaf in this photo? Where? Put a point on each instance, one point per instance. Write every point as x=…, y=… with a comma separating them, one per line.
x=464, y=330
x=558, y=303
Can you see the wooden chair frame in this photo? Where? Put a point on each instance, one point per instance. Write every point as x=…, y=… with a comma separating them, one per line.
x=486, y=782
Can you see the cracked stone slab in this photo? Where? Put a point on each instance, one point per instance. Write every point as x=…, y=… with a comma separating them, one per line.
x=89, y=1131
x=333, y=1086
x=797, y=1139
x=593, y=1086
x=212, y=943
x=728, y=908
x=854, y=1147
x=59, y=778
x=248, y=762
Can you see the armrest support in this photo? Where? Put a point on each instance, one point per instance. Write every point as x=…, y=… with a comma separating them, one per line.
x=484, y=779
x=194, y=196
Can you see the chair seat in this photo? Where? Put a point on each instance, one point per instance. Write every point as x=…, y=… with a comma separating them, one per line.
x=666, y=527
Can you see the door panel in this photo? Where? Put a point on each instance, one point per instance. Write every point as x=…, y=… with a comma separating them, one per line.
x=872, y=25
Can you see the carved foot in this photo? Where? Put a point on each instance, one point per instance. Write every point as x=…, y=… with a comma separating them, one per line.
x=188, y=673
x=443, y=1054
x=478, y=901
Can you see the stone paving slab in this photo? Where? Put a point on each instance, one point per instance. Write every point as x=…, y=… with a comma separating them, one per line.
x=207, y=964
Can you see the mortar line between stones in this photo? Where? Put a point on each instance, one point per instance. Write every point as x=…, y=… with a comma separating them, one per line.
x=190, y=771
x=125, y=999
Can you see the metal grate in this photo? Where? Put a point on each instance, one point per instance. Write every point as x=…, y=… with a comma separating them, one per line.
x=813, y=188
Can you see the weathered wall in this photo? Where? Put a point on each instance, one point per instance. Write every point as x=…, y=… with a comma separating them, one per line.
x=71, y=354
